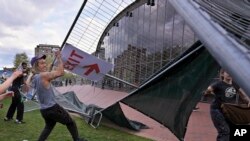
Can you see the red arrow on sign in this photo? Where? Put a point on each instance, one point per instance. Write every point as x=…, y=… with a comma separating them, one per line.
x=92, y=68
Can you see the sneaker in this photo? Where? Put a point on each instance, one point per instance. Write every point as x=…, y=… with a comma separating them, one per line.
x=81, y=139
x=7, y=119
x=19, y=122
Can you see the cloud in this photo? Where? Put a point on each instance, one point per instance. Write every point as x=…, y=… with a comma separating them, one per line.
x=8, y=55
x=26, y=23
x=20, y=13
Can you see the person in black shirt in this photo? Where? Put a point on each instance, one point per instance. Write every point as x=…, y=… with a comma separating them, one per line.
x=225, y=91
x=7, y=83
x=17, y=102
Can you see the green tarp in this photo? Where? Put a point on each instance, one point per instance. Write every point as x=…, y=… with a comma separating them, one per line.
x=116, y=115
x=170, y=97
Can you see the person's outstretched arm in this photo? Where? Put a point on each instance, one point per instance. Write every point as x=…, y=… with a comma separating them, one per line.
x=209, y=90
x=28, y=80
x=7, y=83
x=5, y=95
x=244, y=96
x=59, y=71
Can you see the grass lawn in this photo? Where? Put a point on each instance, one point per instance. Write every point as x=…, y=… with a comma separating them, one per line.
x=9, y=131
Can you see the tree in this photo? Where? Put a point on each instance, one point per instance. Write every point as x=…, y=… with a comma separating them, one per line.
x=19, y=58
x=49, y=61
x=68, y=75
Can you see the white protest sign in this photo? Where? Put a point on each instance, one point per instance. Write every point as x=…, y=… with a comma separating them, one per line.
x=84, y=64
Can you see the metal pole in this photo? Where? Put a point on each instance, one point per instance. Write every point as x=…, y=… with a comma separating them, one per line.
x=71, y=28
x=74, y=22
x=118, y=79
x=231, y=55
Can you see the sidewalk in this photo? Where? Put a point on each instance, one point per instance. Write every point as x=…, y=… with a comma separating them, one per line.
x=200, y=126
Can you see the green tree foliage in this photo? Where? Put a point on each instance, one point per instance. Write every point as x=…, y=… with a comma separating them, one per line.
x=19, y=58
x=68, y=75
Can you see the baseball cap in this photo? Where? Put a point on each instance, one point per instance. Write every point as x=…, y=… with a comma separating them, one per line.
x=36, y=58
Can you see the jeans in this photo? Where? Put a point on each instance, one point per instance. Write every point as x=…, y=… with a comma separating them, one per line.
x=220, y=124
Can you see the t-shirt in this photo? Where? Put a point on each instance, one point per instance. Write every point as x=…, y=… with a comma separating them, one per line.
x=18, y=82
x=224, y=93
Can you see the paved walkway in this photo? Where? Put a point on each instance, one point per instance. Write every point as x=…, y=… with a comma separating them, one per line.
x=200, y=127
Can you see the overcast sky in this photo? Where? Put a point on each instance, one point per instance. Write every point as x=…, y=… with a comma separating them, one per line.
x=26, y=23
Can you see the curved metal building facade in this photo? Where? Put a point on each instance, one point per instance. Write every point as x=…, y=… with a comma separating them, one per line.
x=143, y=38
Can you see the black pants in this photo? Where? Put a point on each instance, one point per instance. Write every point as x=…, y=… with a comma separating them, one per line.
x=56, y=114
x=16, y=103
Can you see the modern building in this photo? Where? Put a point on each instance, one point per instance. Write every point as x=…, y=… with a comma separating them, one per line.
x=141, y=36
x=139, y=40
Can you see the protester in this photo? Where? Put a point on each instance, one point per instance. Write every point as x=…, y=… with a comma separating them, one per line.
x=225, y=91
x=70, y=82
x=50, y=110
x=6, y=84
x=17, y=99
x=66, y=82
